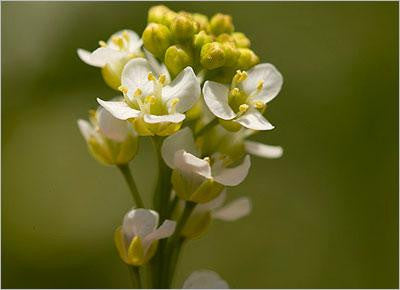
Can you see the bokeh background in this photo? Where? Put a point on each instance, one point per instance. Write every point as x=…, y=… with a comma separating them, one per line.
x=325, y=214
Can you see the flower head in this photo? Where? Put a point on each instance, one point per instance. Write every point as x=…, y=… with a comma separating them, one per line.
x=205, y=279
x=136, y=239
x=112, y=55
x=199, y=179
x=243, y=103
x=154, y=106
x=111, y=141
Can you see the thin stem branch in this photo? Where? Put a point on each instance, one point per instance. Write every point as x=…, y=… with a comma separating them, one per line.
x=136, y=277
x=126, y=172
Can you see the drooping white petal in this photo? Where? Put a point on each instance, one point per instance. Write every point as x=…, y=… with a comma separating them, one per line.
x=213, y=204
x=134, y=40
x=139, y=222
x=173, y=118
x=234, y=210
x=271, y=78
x=216, y=98
x=104, y=55
x=235, y=175
x=184, y=87
x=112, y=127
x=263, y=150
x=205, y=279
x=159, y=69
x=164, y=231
x=119, y=109
x=181, y=140
x=189, y=163
x=135, y=76
x=86, y=57
x=86, y=128
x=253, y=119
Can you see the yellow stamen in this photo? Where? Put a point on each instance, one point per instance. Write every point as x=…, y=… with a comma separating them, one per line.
x=102, y=43
x=243, y=108
x=259, y=105
x=150, y=100
x=123, y=89
x=162, y=78
x=151, y=77
x=118, y=41
x=138, y=92
x=235, y=92
x=260, y=85
x=125, y=35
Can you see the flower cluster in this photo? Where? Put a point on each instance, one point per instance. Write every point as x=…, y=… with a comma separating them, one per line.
x=193, y=86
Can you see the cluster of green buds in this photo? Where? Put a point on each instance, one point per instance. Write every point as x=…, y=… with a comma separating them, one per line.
x=181, y=39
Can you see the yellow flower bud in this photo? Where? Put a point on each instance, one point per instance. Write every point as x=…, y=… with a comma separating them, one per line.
x=177, y=57
x=201, y=20
x=212, y=55
x=241, y=40
x=156, y=39
x=221, y=23
x=183, y=27
x=247, y=59
x=201, y=39
x=224, y=37
x=232, y=54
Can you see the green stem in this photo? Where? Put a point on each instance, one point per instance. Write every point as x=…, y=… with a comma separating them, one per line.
x=136, y=277
x=207, y=127
x=126, y=172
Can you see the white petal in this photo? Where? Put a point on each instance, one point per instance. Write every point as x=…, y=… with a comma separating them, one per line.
x=235, y=175
x=173, y=118
x=134, y=40
x=86, y=128
x=213, y=204
x=164, y=231
x=216, y=98
x=233, y=211
x=158, y=68
x=205, y=279
x=184, y=87
x=119, y=110
x=139, y=222
x=135, y=76
x=112, y=127
x=104, y=55
x=191, y=164
x=181, y=140
x=253, y=119
x=86, y=57
x=263, y=150
x=271, y=77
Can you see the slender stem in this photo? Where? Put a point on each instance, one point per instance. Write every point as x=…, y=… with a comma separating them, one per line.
x=207, y=127
x=126, y=172
x=175, y=259
x=136, y=277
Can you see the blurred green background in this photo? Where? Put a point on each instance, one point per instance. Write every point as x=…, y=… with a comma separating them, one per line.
x=325, y=214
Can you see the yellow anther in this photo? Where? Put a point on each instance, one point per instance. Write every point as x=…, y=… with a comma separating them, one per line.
x=150, y=100
x=239, y=76
x=102, y=43
x=207, y=159
x=260, y=85
x=235, y=92
x=118, y=41
x=123, y=89
x=243, y=108
x=138, y=92
x=125, y=35
x=151, y=77
x=259, y=105
x=174, y=102
x=162, y=78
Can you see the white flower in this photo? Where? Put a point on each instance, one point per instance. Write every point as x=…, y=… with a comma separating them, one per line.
x=151, y=99
x=110, y=140
x=180, y=153
x=205, y=279
x=123, y=44
x=247, y=97
x=135, y=240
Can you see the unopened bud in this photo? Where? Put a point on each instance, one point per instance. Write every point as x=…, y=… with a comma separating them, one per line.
x=247, y=59
x=177, y=58
x=224, y=37
x=212, y=55
x=221, y=23
x=241, y=40
x=201, y=39
x=201, y=20
x=156, y=38
x=161, y=14
x=183, y=27
x=231, y=54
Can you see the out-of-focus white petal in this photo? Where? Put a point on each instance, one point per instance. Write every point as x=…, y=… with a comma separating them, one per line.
x=112, y=127
x=135, y=76
x=119, y=110
x=234, y=210
x=86, y=128
x=235, y=175
x=134, y=40
x=213, y=204
x=216, y=98
x=139, y=222
x=181, y=140
x=158, y=68
x=104, y=55
x=205, y=279
x=86, y=57
x=173, y=118
x=253, y=119
x=184, y=87
x=191, y=164
x=263, y=150
x=164, y=231
x=271, y=78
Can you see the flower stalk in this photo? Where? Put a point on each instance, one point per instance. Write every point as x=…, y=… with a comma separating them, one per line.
x=126, y=172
